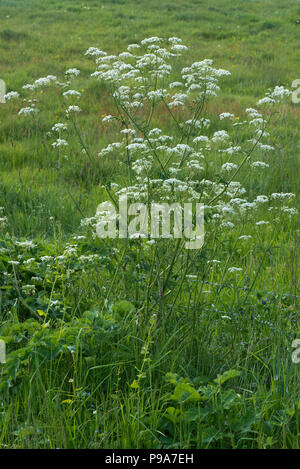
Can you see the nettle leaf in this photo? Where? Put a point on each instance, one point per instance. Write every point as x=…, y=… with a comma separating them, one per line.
x=245, y=423
x=192, y=415
x=221, y=379
x=174, y=415
x=171, y=378
x=184, y=392
x=229, y=399
x=135, y=384
x=123, y=308
x=212, y=434
x=12, y=367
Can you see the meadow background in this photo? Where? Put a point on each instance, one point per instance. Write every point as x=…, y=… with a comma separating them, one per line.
x=85, y=367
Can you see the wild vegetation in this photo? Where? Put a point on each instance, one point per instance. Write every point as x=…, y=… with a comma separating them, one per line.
x=139, y=342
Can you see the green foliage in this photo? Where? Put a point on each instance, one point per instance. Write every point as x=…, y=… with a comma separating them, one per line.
x=214, y=416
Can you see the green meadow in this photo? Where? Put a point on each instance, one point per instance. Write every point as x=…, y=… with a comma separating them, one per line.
x=125, y=343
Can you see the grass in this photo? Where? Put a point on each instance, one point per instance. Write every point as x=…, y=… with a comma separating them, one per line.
x=113, y=346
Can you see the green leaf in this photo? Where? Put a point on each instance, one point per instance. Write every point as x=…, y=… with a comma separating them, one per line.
x=221, y=379
x=41, y=313
x=245, y=423
x=192, y=415
x=173, y=415
x=134, y=384
x=184, y=392
x=123, y=308
x=172, y=378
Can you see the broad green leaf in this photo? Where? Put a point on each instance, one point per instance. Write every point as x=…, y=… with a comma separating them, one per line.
x=134, y=384
x=184, y=392
x=226, y=376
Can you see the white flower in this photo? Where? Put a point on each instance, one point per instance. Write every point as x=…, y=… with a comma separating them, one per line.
x=262, y=222
x=46, y=258
x=72, y=93
x=40, y=82
x=26, y=244
x=228, y=167
x=200, y=139
x=227, y=209
x=227, y=224
x=175, y=84
x=28, y=289
x=263, y=146
x=259, y=164
x=14, y=262
x=72, y=72
x=132, y=47
x=73, y=109
x=193, y=123
x=289, y=211
x=128, y=131
x=282, y=195
x=26, y=111
x=179, y=48
x=126, y=55
x=191, y=164
x=151, y=40
x=93, y=51
x=220, y=136
x=277, y=95
x=108, y=118
x=3, y=222
x=155, y=132
x=137, y=235
x=28, y=87
x=280, y=92
x=258, y=122
x=110, y=148
x=226, y=115
x=59, y=127
x=29, y=261
x=157, y=94
x=266, y=100
x=262, y=199
x=175, y=40
x=60, y=142
x=36, y=279
x=231, y=150
x=136, y=146
x=248, y=206
x=11, y=95
x=253, y=112
x=235, y=269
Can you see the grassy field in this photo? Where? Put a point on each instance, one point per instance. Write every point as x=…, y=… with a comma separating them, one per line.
x=118, y=343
